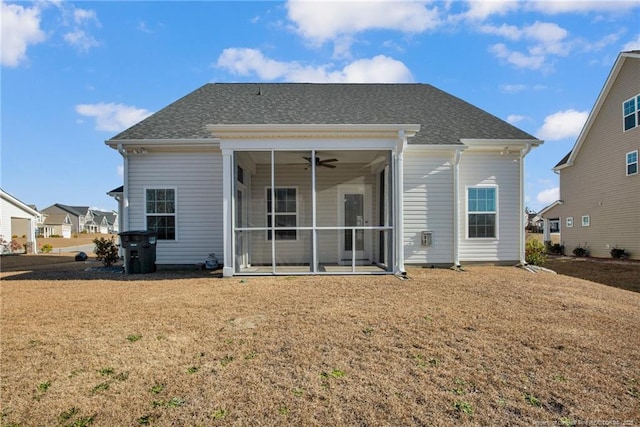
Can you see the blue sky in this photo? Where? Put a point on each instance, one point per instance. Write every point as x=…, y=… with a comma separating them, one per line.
x=76, y=73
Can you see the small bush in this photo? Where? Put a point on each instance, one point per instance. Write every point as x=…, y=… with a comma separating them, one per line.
x=15, y=246
x=618, y=253
x=535, y=252
x=46, y=248
x=106, y=251
x=553, y=248
x=581, y=251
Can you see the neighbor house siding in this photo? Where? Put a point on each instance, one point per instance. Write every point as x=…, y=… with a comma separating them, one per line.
x=197, y=178
x=597, y=184
x=10, y=227
x=327, y=185
x=502, y=171
x=428, y=206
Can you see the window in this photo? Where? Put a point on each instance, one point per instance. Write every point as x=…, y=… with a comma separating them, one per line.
x=161, y=212
x=482, y=212
x=586, y=220
x=569, y=222
x=554, y=225
x=631, y=113
x=632, y=163
x=282, y=213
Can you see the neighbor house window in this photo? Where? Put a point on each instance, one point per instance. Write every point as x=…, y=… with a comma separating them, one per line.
x=569, y=222
x=554, y=225
x=482, y=212
x=631, y=112
x=632, y=163
x=586, y=220
x=282, y=213
x=161, y=212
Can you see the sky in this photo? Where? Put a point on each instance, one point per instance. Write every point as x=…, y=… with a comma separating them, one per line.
x=75, y=74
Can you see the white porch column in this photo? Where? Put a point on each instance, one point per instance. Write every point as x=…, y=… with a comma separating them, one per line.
x=125, y=191
x=398, y=209
x=227, y=218
x=546, y=235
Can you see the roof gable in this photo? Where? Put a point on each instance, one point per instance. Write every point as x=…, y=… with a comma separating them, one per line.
x=569, y=159
x=444, y=118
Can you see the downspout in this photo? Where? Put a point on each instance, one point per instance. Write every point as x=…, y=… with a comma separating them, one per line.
x=399, y=207
x=523, y=154
x=125, y=188
x=456, y=208
x=227, y=213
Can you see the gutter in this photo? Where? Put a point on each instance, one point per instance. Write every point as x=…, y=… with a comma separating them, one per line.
x=523, y=154
x=125, y=188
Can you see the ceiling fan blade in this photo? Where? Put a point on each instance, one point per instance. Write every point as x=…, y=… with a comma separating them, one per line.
x=327, y=165
x=328, y=160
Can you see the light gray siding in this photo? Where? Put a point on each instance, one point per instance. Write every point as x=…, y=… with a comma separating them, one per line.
x=328, y=182
x=597, y=184
x=492, y=169
x=428, y=206
x=197, y=178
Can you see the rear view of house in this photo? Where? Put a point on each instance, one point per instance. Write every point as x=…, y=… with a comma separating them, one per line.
x=599, y=181
x=325, y=179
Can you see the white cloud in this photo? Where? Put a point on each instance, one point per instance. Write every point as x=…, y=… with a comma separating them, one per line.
x=481, y=10
x=81, y=16
x=563, y=124
x=319, y=21
x=512, y=88
x=508, y=31
x=379, y=69
x=633, y=44
x=520, y=60
x=20, y=28
x=81, y=40
x=515, y=118
x=548, y=196
x=584, y=6
x=112, y=117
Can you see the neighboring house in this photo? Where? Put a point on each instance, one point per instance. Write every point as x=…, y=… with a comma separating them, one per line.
x=599, y=204
x=325, y=179
x=84, y=219
x=55, y=225
x=108, y=221
x=17, y=219
x=118, y=194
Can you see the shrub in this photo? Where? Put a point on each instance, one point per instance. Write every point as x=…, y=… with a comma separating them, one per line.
x=618, y=253
x=535, y=252
x=106, y=251
x=553, y=248
x=581, y=251
x=46, y=248
x=15, y=245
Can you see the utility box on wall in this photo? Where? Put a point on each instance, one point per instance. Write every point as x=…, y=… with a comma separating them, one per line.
x=426, y=238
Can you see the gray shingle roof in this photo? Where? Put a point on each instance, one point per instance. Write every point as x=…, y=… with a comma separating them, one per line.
x=444, y=119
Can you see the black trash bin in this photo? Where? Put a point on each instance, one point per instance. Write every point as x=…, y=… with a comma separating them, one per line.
x=139, y=251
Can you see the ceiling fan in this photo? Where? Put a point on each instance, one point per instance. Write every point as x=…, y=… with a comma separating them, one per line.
x=326, y=163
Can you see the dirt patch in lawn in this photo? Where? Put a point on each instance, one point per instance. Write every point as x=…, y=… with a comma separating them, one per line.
x=489, y=346
x=621, y=274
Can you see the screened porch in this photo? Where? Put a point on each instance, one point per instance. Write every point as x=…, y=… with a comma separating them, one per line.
x=312, y=212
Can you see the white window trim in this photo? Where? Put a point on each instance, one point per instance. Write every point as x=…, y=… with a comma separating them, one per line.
x=569, y=222
x=266, y=213
x=636, y=112
x=627, y=164
x=586, y=220
x=466, y=202
x=175, y=214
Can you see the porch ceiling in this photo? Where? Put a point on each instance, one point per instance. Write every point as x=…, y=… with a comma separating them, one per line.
x=296, y=157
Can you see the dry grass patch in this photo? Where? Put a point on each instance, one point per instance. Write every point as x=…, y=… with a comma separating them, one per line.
x=490, y=346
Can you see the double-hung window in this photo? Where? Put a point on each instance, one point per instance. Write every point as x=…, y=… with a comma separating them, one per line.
x=160, y=212
x=632, y=163
x=631, y=113
x=482, y=212
x=282, y=212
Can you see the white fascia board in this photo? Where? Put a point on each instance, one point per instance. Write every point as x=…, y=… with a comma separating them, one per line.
x=324, y=130
x=548, y=208
x=8, y=197
x=500, y=144
x=294, y=144
x=436, y=147
x=164, y=143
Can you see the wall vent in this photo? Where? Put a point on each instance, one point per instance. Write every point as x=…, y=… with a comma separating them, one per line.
x=426, y=238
